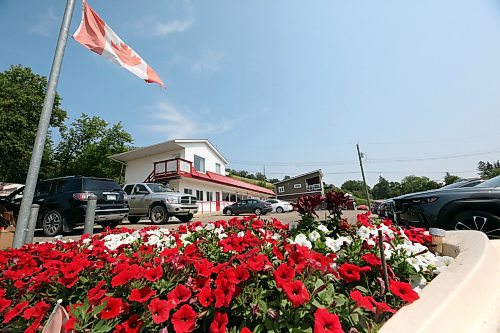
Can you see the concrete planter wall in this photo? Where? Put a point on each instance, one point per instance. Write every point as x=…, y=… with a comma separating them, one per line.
x=464, y=298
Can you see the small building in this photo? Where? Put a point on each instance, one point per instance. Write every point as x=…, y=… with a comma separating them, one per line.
x=293, y=188
x=194, y=167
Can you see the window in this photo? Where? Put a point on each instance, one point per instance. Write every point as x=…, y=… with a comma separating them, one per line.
x=42, y=189
x=199, y=195
x=281, y=189
x=199, y=163
x=128, y=189
x=217, y=168
x=140, y=188
x=188, y=191
x=297, y=185
x=210, y=196
x=225, y=196
x=233, y=197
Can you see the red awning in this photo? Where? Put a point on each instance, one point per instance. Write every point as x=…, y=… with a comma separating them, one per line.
x=219, y=179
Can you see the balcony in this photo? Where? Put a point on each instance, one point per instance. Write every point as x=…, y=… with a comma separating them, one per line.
x=171, y=168
x=313, y=187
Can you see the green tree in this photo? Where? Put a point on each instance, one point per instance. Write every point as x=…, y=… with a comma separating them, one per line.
x=86, y=145
x=260, y=176
x=450, y=179
x=356, y=187
x=488, y=170
x=21, y=99
x=413, y=183
x=381, y=190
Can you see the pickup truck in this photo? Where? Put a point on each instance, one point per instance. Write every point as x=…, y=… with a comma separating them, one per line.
x=159, y=203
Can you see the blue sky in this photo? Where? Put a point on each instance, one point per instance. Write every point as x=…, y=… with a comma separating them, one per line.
x=289, y=85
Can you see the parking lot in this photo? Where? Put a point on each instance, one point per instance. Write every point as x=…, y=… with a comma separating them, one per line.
x=173, y=223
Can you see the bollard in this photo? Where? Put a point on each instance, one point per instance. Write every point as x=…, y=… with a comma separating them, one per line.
x=438, y=236
x=30, y=232
x=90, y=215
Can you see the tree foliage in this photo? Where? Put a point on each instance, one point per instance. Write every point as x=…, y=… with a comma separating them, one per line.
x=355, y=187
x=21, y=99
x=86, y=145
x=413, y=183
x=450, y=179
x=488, y=169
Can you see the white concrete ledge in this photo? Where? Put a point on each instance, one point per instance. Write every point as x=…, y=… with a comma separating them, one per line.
x=464, y=298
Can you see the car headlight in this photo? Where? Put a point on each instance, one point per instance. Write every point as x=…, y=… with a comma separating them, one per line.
x=172, y=199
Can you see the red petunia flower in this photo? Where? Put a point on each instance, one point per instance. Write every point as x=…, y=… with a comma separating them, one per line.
x=219, y=323
x=224, y=292
x=179, y=294
x=363, y=219
x=365, y=302
x=372, y=259
x=296, y=293
x=245, y=330
x=241, y=273
x=141, y=295
x=4, y=304
x=153, y=274
x=34, y=326
x=350, y=272
x=132, y=325
x=112, y=308
x=36, y=311
x=160, y=310
x=383, y=307
x=326, y=322
x=184, y=320
x=257, y=224
x=96, y=294
x=121, y=278
x=283, y=274
x=205, y=297
x=403, y=290
x=14, y=312
x=278, y=253
x=258, y=262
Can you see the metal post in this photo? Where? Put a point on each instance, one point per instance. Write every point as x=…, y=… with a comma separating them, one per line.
x=367, y=194
x=30, y=232
x=90, y=215
x=43, y=125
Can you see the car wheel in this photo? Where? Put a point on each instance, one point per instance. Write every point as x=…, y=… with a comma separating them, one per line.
x=228, y=212
x=279, y=210
x=110, y=224
x=158, y=215
x=134, y=219
x=258, y=211
x=52, y=223
x=185, y=218
x=477, y=220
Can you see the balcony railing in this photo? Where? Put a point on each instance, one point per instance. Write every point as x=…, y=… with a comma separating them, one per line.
x=171, y=167
x=313, y=187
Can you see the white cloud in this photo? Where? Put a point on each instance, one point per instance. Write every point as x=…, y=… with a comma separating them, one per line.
x=46, y=24
x=209, y=62
x=163, y=29
x=182, y=123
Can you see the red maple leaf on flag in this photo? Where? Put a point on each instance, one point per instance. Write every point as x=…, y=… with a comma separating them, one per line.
x=125, y=54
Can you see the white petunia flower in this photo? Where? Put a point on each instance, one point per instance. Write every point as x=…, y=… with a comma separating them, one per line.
x=314, y=236
x=323, y=228
x=301, y=239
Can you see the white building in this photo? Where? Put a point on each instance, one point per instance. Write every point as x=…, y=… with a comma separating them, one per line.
x=189, y=166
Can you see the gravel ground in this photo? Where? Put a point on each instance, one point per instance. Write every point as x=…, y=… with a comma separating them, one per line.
x=173, y=223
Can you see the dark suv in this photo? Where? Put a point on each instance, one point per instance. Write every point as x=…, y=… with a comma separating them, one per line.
x=63, y=203
x=463, y=208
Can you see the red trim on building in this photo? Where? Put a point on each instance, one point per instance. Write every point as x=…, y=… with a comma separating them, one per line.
x=228, y=181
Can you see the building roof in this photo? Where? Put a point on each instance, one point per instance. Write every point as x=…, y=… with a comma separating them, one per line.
x=228, y=181
x=161, y=148
x=299, y=176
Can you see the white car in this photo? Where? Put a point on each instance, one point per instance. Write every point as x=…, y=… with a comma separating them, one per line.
x=280, y=206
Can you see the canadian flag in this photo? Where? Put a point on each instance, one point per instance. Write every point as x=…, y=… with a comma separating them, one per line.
x=96, y=35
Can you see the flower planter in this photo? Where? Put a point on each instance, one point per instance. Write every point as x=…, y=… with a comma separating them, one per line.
x=463, y=298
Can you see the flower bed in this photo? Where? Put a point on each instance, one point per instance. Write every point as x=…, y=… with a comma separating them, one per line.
x=241, y=275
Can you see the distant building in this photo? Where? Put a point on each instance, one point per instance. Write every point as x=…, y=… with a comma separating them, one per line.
x=194, y=167
x=8, y=188
x=293, y=188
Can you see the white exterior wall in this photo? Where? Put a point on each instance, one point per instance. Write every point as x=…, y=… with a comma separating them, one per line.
x=138, y=170
x=208, y=154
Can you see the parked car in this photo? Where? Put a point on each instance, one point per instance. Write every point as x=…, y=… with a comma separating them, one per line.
x=63, y=203
x=362, y=207
x=381, y=210
x=249, y=206
x=462, y=208
x=159, y=203
x=374, y=208
x=280, y=206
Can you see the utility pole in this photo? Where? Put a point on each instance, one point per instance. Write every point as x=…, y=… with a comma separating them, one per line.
x=367, y=194
x=43, y=126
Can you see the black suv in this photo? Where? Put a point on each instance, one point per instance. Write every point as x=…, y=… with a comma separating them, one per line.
x=63, y=203
x=463, y=208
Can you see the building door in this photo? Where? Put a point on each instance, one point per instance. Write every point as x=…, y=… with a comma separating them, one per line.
x=217, y=201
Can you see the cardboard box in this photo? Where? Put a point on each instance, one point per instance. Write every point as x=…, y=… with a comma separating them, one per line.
x=6, y=237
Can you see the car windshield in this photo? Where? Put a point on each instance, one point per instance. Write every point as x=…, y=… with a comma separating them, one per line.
x=158, y=188
x=493, y=182
x=454, y=185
